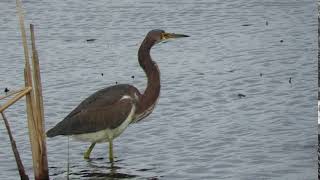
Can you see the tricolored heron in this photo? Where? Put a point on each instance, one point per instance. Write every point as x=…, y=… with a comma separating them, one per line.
x=104, y=115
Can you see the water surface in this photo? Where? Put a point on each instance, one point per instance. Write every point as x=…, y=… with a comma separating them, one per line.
x=201, y=128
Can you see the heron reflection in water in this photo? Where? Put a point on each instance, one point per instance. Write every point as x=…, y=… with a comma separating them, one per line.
x=104, y=115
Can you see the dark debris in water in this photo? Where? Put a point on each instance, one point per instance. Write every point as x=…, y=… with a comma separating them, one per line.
x=153, y=178
x=241, y=95
x=108, y=175
x=6, y=90
x=145, y=169
x=99, y=158
x=90, y=40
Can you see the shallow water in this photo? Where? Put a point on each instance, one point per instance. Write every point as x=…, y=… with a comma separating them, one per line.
x=201, y=128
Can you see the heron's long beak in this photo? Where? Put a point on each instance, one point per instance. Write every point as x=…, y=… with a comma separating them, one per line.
x=166, y=36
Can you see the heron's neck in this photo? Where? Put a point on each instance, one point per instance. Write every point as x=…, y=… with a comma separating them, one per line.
x=151, y=94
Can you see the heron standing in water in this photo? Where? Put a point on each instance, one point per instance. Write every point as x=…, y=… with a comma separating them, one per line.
x=104, y=115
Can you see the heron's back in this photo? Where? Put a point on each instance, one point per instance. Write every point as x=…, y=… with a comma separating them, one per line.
x=97, y=112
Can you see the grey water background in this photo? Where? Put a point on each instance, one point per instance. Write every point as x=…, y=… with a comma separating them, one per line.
x=201, y=128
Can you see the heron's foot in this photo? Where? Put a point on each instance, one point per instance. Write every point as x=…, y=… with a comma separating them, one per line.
x=111, y=159
x=86, y=155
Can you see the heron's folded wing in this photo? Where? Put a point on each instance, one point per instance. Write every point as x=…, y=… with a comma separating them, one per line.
x=94, y=119
x=102, y=98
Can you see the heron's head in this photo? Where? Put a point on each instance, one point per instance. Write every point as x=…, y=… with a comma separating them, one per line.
x=158, y=35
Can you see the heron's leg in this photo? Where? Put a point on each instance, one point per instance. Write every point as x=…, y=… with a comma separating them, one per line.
x=111, y=151
x=86, y=155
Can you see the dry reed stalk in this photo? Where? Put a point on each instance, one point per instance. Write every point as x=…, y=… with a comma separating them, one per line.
x=31, y=124
x=38, y=109
x=35, y=124
x=29, y=96
x=16, y=98
x=11, y=93
x=23, y=32
x=22, y=173
x=36, y=73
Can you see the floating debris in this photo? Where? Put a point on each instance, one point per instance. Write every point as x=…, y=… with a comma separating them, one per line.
x=101, y=74
x=246, y=24
x=241, y=95
x=111, y=175
x=90, y=40
x=153, y=178
x=132, y=77
x=6, y=90
x=290, y=80
x=281, y=41
x=145, y=169
x=267, y=23
x=260, y=74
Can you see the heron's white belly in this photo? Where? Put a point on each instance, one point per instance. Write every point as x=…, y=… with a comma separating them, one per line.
x=106, y=134
x=99, y=136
